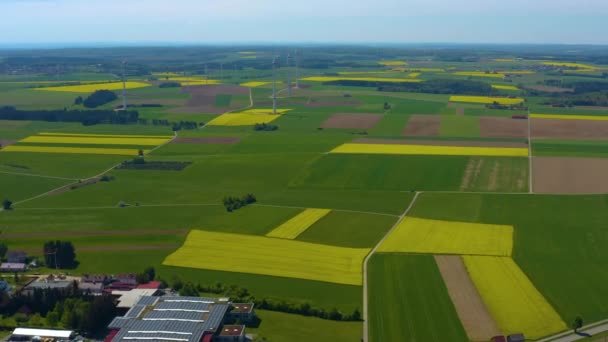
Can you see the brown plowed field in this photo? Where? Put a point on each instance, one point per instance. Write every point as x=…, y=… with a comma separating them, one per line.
x=423, y=125
x=473, y=313
x=203, y=98
x=440, y=142
x=6, y=142
x=569, y=129
x=207, y=140
x=360, y=121
x=561, y=175
x=491, y=127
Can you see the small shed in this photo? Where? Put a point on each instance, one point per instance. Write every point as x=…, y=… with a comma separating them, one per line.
x=231, y=333
x=12, y=267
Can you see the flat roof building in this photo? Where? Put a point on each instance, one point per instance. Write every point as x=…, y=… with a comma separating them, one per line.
x=27, y=334
x=231, y=333
x=179, y=319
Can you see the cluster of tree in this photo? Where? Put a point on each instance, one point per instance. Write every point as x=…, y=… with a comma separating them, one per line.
x=59, y=254
x=241, y=294
x=142, y=164
x=86, y=117
x=99, y=98
x=265, y=127
x=178, y=126
x=496, y=105
x=69, y=309
x=387, y=106
x=438, y=86
x=3, y=250
x=146, y=276
x=170, y=85
x=233, y=203
x=7, y=204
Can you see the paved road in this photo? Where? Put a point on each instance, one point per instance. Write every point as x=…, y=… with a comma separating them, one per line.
x=570, y=336
x=365, y=305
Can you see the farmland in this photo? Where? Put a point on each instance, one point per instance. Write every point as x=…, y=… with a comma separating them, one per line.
x=476, y=177
x=290, y=259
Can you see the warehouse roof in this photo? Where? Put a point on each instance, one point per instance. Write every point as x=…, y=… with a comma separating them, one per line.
x=169, y=318
x=65, y=334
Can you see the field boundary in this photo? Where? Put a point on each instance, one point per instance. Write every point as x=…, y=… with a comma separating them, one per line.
x=35, y=175
x=95, y=176
x=530, y=168
x=366, y=261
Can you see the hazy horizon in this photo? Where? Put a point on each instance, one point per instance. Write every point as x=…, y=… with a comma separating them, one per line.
x=190, y=22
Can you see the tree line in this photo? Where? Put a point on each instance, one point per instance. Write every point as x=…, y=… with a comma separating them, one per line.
x=86, y=117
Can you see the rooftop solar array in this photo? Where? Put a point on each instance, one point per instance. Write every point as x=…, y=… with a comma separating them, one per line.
x=135, y=311
x=169, y=319
x=174, y=316
x=148, y=300
x=182, y=306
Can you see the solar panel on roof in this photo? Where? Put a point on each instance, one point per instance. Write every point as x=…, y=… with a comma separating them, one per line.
x=118, y=323
x=183, y=306
x=135, y=311
x=190, y=299
x=216, y=316
x=174, y=315
x=147, y=300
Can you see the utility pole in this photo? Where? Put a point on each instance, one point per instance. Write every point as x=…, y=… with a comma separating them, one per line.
x=274, y=85
x=298, y=55
x=288, y=76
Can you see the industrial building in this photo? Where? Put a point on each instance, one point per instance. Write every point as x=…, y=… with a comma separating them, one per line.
x=181, y=319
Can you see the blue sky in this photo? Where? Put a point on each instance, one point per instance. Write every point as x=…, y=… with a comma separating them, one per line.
x=277, y=21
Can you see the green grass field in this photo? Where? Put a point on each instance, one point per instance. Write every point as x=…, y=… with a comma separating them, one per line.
x=276, y=326
x=571, y=281
x=409, y=302
x=559, y=241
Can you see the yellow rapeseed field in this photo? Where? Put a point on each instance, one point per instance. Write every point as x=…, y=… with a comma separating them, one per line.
x=363, y=72
x=479, y=74
x=75, y=150
x=247, y=52
x=506, y=60
x=486, y=99
x=254, y=84
x=505, y=87
x=426, y=70
x=94, y=140
x=105, y=135
x=269, y=256
x=367, y=79
x=298, y=224
x=89, y=88
x=430, y=150
x=414, y=74
x=571, y=65
x=247, y=118
x=392, y=63
x=512, y=299
x=417, y=235
x=569, y=117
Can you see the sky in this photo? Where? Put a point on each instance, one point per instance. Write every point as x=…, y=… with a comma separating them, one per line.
x=310, y=21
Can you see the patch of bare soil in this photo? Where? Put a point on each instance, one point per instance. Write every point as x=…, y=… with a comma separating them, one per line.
x=569, y=129
x=493, y=127
x=561, y=175
x=440, y=142
x=423, y=125
x=473, y=313
x=134, y=232
x=160, y=101
x=359, y=121
x=206, y=140
x=471, y=173
x=202, y=100
x=6, y=142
